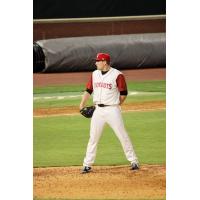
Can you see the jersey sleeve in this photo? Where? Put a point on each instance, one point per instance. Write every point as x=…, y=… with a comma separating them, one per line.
x=121, y=84
x=89, y=86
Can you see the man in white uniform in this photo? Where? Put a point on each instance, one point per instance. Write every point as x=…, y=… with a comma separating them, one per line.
x=109, y=92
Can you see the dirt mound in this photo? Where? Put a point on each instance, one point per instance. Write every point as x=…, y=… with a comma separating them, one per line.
x=105, y=182
x=73, y=110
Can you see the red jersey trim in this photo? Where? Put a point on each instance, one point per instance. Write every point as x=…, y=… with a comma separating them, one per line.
x=89, y=84
x=121, y=83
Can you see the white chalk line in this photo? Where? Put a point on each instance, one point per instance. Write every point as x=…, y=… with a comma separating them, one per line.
x=57, y=97
x=61, y=97
x=76, y=114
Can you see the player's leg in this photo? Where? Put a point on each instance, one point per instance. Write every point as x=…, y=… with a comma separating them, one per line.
x=116, y=122
x=96, y=128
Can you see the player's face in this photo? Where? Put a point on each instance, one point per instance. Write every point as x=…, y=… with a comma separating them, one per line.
x=100, y=64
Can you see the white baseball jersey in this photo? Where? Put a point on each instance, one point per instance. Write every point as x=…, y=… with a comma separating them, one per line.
x=107, y=87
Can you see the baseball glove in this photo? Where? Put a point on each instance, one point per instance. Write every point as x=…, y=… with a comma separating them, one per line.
x=87, y=111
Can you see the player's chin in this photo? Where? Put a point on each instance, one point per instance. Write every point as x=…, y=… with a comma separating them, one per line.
x=99, y=68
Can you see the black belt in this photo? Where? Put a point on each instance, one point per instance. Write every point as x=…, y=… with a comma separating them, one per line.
x=102, y=105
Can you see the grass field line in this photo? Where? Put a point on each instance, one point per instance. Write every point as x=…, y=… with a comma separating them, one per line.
x=76, y=114
x=70, y=95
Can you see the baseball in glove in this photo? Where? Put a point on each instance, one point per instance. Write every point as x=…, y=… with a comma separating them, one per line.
x=87, y=111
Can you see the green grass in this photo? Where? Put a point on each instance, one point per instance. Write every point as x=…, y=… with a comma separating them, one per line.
x=147, y=86
x=59, y=89
x=62, y=141
x=152, y=91
x=52, y=103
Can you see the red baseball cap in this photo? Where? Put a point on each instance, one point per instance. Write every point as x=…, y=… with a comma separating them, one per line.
x=102, y=57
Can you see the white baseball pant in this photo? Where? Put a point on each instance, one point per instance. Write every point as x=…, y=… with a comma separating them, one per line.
x=112, y=116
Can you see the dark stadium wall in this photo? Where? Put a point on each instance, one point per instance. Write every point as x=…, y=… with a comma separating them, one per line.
x=46, y=30
x=61, y=18
x=51, y=9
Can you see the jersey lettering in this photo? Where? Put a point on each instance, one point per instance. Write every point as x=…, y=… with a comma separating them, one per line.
x=103, y=85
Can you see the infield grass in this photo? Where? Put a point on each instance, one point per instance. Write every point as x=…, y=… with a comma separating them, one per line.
x=62, y=141
x=60, y=96
x=147, y=86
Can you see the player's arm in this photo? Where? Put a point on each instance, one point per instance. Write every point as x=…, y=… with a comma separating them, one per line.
x=122, y=87
x=122, y=99
x=86, y=94
x=84, y=100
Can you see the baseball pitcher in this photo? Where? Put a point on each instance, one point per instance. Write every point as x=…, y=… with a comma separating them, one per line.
x=109, y=90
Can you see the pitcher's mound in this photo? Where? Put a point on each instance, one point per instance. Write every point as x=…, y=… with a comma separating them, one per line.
x=104, y=182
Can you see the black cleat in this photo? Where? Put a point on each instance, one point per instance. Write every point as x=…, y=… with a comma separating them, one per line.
x=86, y=170
x=134, y=166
